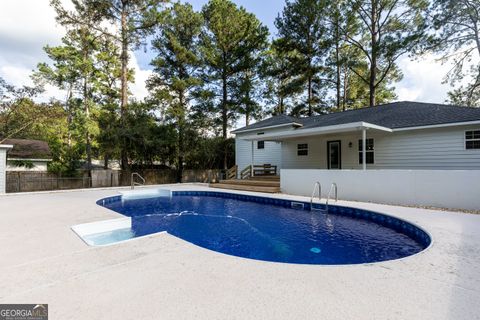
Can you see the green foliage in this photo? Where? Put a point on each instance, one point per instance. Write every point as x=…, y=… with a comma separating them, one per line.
x=231, y=37
x=383, y=31
x=456, y=25
x=303, y=41
x=21, y=117
x=28, y=164
x=176, y=69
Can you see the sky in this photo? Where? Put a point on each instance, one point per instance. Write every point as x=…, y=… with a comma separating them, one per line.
x=26, y=26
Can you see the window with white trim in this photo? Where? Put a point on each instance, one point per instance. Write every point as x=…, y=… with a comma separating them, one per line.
x=369, y=148
x=472, y=139
x=260, y=144
x=302, y=149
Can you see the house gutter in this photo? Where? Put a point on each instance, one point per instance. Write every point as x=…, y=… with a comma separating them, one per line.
x=444, y=125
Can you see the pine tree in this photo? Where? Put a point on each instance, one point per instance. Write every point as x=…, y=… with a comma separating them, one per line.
x=231, y=33
x=133, y=21
x=176, y=69
x=456, y=24
x=385, y=31
x=74, y=70
x=303, y=37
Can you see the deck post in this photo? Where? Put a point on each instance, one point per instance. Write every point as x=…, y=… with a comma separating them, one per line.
x=364, y=149
x=252, y=159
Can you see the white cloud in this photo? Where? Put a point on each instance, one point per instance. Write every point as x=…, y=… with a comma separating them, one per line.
x=138, y=88
x=26, y=26
x=423, y=79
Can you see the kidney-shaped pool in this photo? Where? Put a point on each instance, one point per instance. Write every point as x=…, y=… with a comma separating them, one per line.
x=268, y=229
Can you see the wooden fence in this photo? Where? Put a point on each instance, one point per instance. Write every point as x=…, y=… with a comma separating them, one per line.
x=24, y=181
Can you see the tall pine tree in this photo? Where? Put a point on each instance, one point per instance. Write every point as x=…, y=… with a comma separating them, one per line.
x=176, y=69
x=231, y=34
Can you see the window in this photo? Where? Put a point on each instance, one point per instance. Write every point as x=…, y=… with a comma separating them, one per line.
x=472, y=139
x=370, y=147
x=302, y=149
x=260, y=144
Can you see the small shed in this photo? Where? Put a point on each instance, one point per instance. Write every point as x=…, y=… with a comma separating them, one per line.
x=28, y=155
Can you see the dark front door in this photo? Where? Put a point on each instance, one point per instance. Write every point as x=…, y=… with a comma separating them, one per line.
x=334, y=154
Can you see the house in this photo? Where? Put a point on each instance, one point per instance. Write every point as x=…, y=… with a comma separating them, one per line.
x=28, y=155
x=4, y=148
x=400, y=135
x=396, y=139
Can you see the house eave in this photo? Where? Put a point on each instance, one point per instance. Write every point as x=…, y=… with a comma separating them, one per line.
x=443, y=125
x=341, y=128
x=290, y=124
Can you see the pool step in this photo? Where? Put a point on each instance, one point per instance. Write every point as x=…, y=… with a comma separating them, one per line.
x=265, y=178
x=246, y=187
x=252, y=182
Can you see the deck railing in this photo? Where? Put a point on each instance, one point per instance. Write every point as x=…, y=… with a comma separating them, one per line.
x=246, y=173
x=232, y=173
x=264, y=170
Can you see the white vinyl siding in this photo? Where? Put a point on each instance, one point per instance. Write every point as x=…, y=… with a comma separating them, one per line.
x=38, y=165
x=270, y=154
x=417, y=149
x=426, y=149
x=3, y=158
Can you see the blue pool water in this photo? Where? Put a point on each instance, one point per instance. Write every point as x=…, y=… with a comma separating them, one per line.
x=269, y=229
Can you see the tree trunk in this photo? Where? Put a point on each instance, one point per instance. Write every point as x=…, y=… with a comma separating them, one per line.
x=87, y=114
x=345, y=88
x=181, y=148
x=124, y=83
x=337, y=58
x=70, y=116
x=373, y=65
x=105, y=161
x=224, y=116
x=310, y=111
x=181, y=139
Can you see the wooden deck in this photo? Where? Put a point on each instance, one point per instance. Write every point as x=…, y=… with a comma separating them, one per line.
x=268, y=184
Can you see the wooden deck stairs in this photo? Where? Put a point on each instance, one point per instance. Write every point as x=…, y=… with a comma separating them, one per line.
x=268, y=183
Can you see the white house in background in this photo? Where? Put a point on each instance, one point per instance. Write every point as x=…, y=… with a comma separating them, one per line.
x=3, y=165
x=28, y=155
x=394, y=141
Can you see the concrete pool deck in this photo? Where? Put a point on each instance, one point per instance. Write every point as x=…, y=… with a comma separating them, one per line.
x=162, y=277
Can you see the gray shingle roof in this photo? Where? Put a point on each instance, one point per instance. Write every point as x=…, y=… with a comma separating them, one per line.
x=273, y=121
x=394, y=115
x=28, y=149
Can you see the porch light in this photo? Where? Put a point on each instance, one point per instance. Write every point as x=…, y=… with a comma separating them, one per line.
x=350, y=144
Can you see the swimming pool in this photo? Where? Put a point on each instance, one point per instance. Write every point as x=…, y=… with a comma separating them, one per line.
x=268, y=229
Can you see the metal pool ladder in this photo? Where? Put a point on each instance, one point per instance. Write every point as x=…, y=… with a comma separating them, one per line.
x=136, y=174
x=333, y=187
x=315, y=187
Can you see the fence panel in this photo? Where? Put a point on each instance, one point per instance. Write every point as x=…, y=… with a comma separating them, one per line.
x=24, y=181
